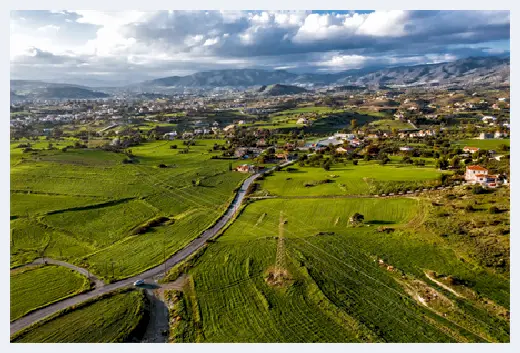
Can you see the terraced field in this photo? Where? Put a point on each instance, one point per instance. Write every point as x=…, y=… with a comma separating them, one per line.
x=335, y=284
x=114, y=318
x=344, y=180
x=34, y=287
x=87, y=207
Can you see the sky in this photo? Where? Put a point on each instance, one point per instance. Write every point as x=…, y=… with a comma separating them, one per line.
x=103, y=47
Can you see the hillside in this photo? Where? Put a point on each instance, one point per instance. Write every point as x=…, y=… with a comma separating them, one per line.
x=474, y=70
x=280, y=90
x=25, y=89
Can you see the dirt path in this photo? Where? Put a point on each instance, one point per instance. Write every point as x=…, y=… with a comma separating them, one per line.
x=440, y=284
x=97, y=282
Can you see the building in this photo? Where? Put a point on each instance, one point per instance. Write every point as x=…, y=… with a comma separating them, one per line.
x=343, y=150
x=485, y=136
x=303, y=121
x=488, y=119
x=471, y=150
x=476, y=174
x=245, y=168
x=170, y=135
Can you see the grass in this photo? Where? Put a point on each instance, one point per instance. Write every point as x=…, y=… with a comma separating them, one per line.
x=334, y=291
x=391, y=124
x=84, y=205
x=344, y=180
x=484, y=144
x=116, y=317
x=35, y=287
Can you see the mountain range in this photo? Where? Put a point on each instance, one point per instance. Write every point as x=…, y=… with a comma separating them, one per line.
x=468, y=71
x=473, y=70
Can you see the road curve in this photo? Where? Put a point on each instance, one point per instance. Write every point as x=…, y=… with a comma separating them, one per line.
x=179, y=256
x=48, y=261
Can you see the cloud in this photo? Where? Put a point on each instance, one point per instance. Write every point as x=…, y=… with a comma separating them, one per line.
x=144, y=43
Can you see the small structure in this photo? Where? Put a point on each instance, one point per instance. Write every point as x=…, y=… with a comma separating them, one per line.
x=170, y=135
x=343, y=150
x=485, y=136
x=470, y=150
x=245, y=168
x=406, y=148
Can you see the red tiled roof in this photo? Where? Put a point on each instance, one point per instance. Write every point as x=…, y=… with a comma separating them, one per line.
x=476, y=167
x=471, y=148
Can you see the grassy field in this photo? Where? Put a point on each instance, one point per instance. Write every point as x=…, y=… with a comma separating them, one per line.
x=390, y=124
x=484, y=144
x=85, y=206
x=343, y=180
x=334, y=289
x=34, y=287
x=112, y=319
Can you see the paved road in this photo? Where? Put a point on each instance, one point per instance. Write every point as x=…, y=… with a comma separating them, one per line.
x=150, y=274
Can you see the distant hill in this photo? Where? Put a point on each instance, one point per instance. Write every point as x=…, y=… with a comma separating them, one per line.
x=25, y=89
x=474, y=70
x=280, y=90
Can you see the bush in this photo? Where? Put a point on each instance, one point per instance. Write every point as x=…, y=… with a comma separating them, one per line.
x=162, y=165
x=494, y=210
x=477, y=190
x=173, y=147
x=355, y=162
x=469, y=208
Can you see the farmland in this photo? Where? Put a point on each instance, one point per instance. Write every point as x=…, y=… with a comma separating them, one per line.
x=114, y=318
x=330, y=266
x=389, y=124
x=344, y=179
x=484, y=144
x=87, y=207
x=34, y=287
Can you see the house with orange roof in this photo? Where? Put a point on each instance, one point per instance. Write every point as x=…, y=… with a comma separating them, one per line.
x=471, y=149
x=476, y=174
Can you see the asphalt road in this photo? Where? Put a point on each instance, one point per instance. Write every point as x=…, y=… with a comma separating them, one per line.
x=148, y=275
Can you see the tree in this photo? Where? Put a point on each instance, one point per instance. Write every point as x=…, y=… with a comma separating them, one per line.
x=353, y=124
x=441, y=163
x=357, y=218
x=455, y=162
x=355, y=162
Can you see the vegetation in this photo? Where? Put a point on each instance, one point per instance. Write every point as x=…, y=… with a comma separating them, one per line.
x=115, y=317
x=37, y=286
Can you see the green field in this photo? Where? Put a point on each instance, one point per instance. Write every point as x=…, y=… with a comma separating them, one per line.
x=34, y=287
x=334, y=290
x=115, y=318
x=84, y=205
x=390, y=124
x=344, y=180
x=491, y=144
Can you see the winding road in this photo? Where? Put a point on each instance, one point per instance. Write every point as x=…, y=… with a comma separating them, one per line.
x=149, y=275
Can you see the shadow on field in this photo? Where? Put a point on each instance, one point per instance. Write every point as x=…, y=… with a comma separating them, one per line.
x=378, y=221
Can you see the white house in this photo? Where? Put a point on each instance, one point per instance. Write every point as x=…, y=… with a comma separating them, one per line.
x=170, y=135
x=488, y=119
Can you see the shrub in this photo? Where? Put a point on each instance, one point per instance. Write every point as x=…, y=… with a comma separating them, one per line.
x=494, y=210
